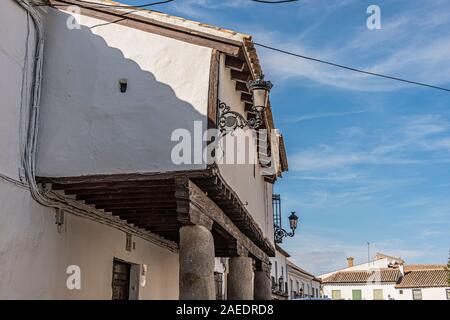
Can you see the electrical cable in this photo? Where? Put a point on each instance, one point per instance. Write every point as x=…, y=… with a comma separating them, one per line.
x=107, y=5
x=275, y=1
x=350, y=68
x=273, y=48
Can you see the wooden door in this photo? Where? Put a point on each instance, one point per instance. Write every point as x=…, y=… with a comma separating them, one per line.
x=121, y=280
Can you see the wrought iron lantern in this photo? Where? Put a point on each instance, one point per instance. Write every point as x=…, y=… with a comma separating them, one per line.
x=280, y=233
x=293, y=221
x=231, y=120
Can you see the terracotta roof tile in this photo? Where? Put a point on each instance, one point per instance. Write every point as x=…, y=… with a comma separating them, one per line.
x=418, y=267
x=425, y=279
x=384, y=275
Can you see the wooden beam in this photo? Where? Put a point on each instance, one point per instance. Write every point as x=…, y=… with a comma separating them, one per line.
x=144, y=176
x=112, y=185
x=240, y=76
x=148, y=200
x=240, y=86
x=246, y=97
x=123, y=196
x=188, y=191
x=213, y=91
x=149, y=206
x=143, y=212
x=154, y=26
x=83, y=192
x=234, y=63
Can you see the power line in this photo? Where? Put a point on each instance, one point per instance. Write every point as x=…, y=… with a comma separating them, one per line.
x=129, y=12
x=118, y=6
x=266, y=46
x=350, y=68
x=109, y=5
x=274, y=1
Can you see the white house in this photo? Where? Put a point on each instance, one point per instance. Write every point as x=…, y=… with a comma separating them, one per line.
x=424, y=282
x=387, y=278
x=289, y=281
x=279, y=274
x=301, y=283
x=95, y=99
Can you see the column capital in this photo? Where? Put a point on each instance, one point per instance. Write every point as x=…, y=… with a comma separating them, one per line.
x=241, y=250
x=263, y=266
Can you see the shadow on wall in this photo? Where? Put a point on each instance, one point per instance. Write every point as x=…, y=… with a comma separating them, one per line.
x=87, y=125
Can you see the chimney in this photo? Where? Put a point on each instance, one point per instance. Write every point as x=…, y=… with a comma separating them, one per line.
x=350, y=262
x=402, y=270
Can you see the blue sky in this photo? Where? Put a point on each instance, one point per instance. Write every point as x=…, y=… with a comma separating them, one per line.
x=369, y=158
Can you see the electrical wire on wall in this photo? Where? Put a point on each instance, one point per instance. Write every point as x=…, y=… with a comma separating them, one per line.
x=46, y=196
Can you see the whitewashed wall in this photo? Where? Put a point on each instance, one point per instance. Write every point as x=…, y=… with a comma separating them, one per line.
x=366, y=290
x=427, y=294
x=305, y=282
x=14, y=87
x=34, y=256
x=376, y=264
x=278, y=262
x=246, y=179
x=88, y=126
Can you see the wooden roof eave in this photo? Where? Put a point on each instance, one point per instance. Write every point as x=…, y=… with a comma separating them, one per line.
x=140, y=22
x=140, y=202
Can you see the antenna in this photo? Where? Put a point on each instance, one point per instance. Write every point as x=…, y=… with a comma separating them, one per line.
x=368, y=253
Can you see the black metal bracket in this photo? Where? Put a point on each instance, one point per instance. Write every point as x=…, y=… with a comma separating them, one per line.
x=231, y=120
x=280, y=233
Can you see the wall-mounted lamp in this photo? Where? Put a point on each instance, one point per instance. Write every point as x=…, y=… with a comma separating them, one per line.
x=230, y=120
x=123, y=84
x=280, y=233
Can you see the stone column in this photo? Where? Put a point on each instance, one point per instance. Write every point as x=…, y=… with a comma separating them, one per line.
x=196, y=263
x=240, y=278
x=263, y=282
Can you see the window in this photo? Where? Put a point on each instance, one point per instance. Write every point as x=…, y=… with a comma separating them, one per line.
x=417, y=294
x=356, y=295
x=121, y=280
x=401, y=291
x=276, y=270
x=317, y=293
x=377, y=294
x=336, y=294
x=448, y=294
x=218, y=279
x=292, y=288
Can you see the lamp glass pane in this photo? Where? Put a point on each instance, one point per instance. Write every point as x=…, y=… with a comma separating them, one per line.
x=293, y=223
x=259, y=97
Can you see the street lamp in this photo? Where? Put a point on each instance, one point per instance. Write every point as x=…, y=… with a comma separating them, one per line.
x=230, y=120
x=280, y=233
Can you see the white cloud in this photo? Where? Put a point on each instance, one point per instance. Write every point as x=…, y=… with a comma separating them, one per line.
x=322, y=254
x=405, y=47
x=323, y=115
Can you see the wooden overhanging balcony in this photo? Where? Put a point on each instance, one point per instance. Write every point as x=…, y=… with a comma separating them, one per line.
x=159, y=203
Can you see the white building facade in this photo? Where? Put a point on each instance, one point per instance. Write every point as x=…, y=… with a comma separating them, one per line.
x=301, y=283
x=93, y=205
x=387, y=278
